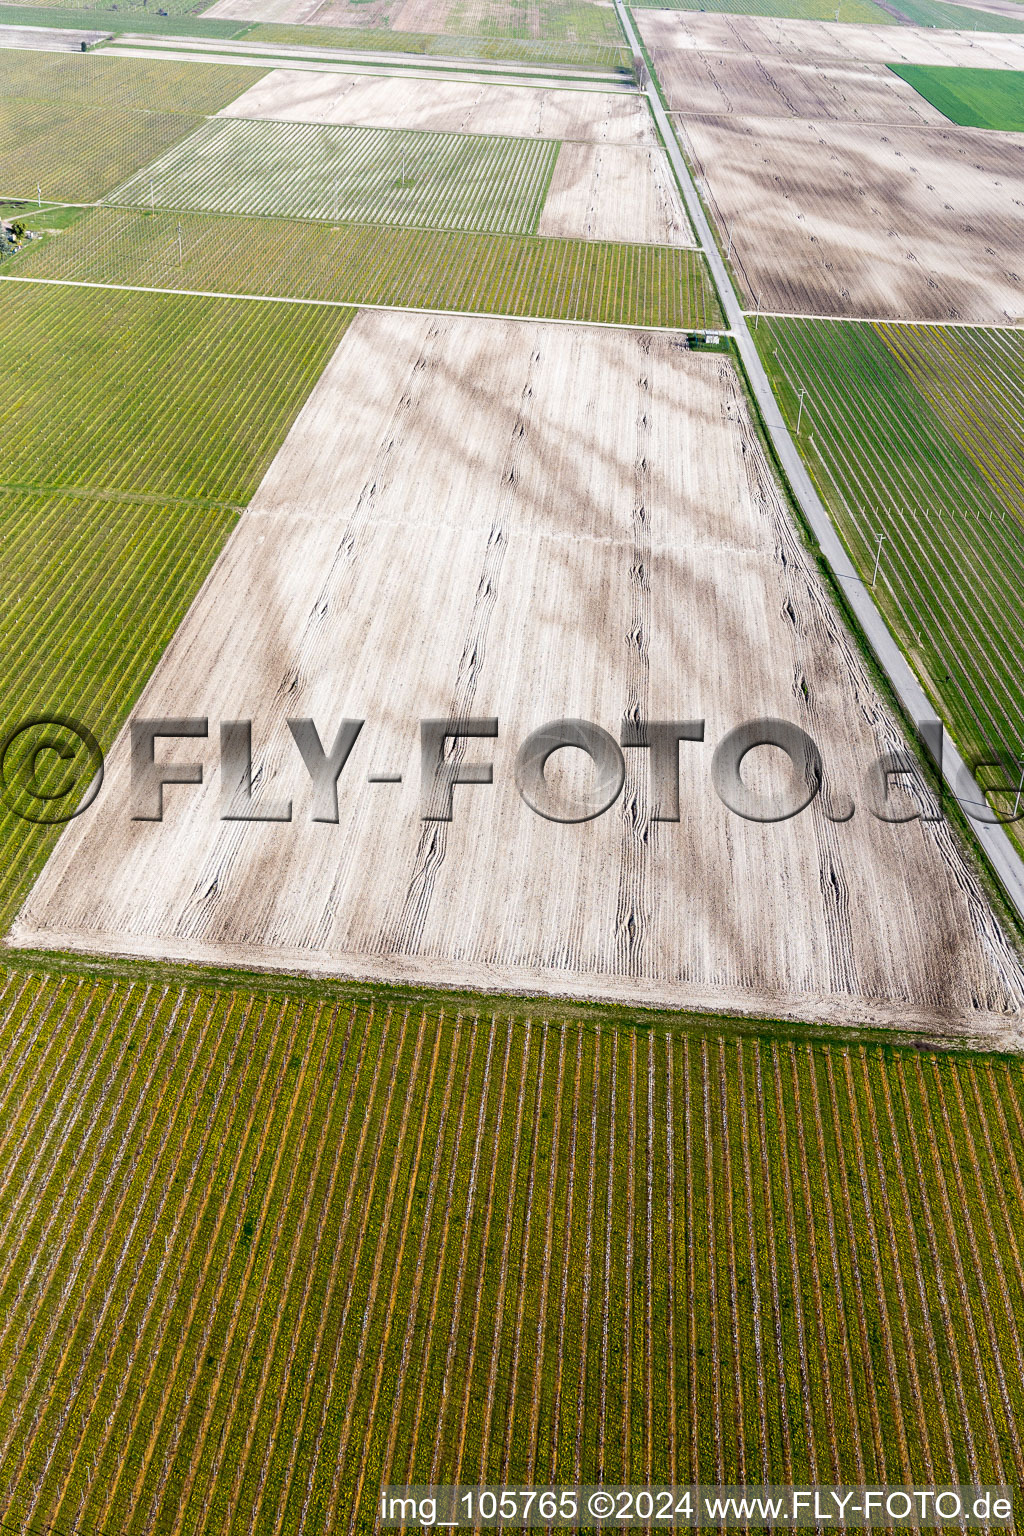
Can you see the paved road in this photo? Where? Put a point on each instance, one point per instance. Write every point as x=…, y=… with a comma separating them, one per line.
x=997, y=846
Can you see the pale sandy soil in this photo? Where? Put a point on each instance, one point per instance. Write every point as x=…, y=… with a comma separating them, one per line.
x=476, y=517
x=852, y=219
x=265, y=10
x=47, y=39
x=610, y=193
x=822, y=41
x=996, y=7
x=290, y=95
x=736, y=84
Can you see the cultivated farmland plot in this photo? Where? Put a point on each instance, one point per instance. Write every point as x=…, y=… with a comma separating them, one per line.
x=698, y=83
x=454, y=529
x=446, y=181
x=266, y=1251
x=914, y=434
x=974, y=98
x=120, y=491
x=358, y=32
x=606, y=192
x=374, y=264
x=863, y=220
x=75, y=127
x=810, y=41
x=577, y=21
x=96, y=80
x=77, y=153
x=380, y=101
x=47, y=39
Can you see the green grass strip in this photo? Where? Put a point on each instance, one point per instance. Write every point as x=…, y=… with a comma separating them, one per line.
x=526, y=50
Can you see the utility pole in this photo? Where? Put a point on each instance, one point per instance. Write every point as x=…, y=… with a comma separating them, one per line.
x=800, y=412
x=39, y=194
x=878, y=556
x=181, y=254
x=757, y=314
x=1020, y=789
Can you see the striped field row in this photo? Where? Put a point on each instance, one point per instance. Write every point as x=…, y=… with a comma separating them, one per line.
x=325, y=171
x=914, y=434
x=517, y=275
x=267, y=1251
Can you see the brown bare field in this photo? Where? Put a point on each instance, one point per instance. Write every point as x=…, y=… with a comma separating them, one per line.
x=474, y=518
x=850, y=219
x=665, y=32
x=735, y=84
x=388, y=101
x=607, y=192
x=1011, y=8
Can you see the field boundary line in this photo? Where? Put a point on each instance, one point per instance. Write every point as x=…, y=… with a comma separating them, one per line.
x=269, y=298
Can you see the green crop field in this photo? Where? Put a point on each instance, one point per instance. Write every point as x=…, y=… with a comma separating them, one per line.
x=913, y=433
x=132, y=428
x=265, y=1249
x=77, y=154
x=183, y=8
x=152, y=395
x=143, y=85
x=864, y=11
x=367, y=264
x=322, y=171
x=102, y=17
x=940, y=13
x=73, y=127
x=523, y=49
x=974, y=98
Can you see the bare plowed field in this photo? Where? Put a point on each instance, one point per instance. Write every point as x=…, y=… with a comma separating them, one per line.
x=376, y=101
x=478, y=518
x=735, y=84
x=606, y=192
x=268, y=10
x=859, y=220
x=810, y=41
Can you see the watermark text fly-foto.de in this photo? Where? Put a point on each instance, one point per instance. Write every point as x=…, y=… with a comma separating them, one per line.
x=569, y=1506
x=52, y=769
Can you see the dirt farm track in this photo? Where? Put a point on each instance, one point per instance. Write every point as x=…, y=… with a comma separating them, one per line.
x=473, y=538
